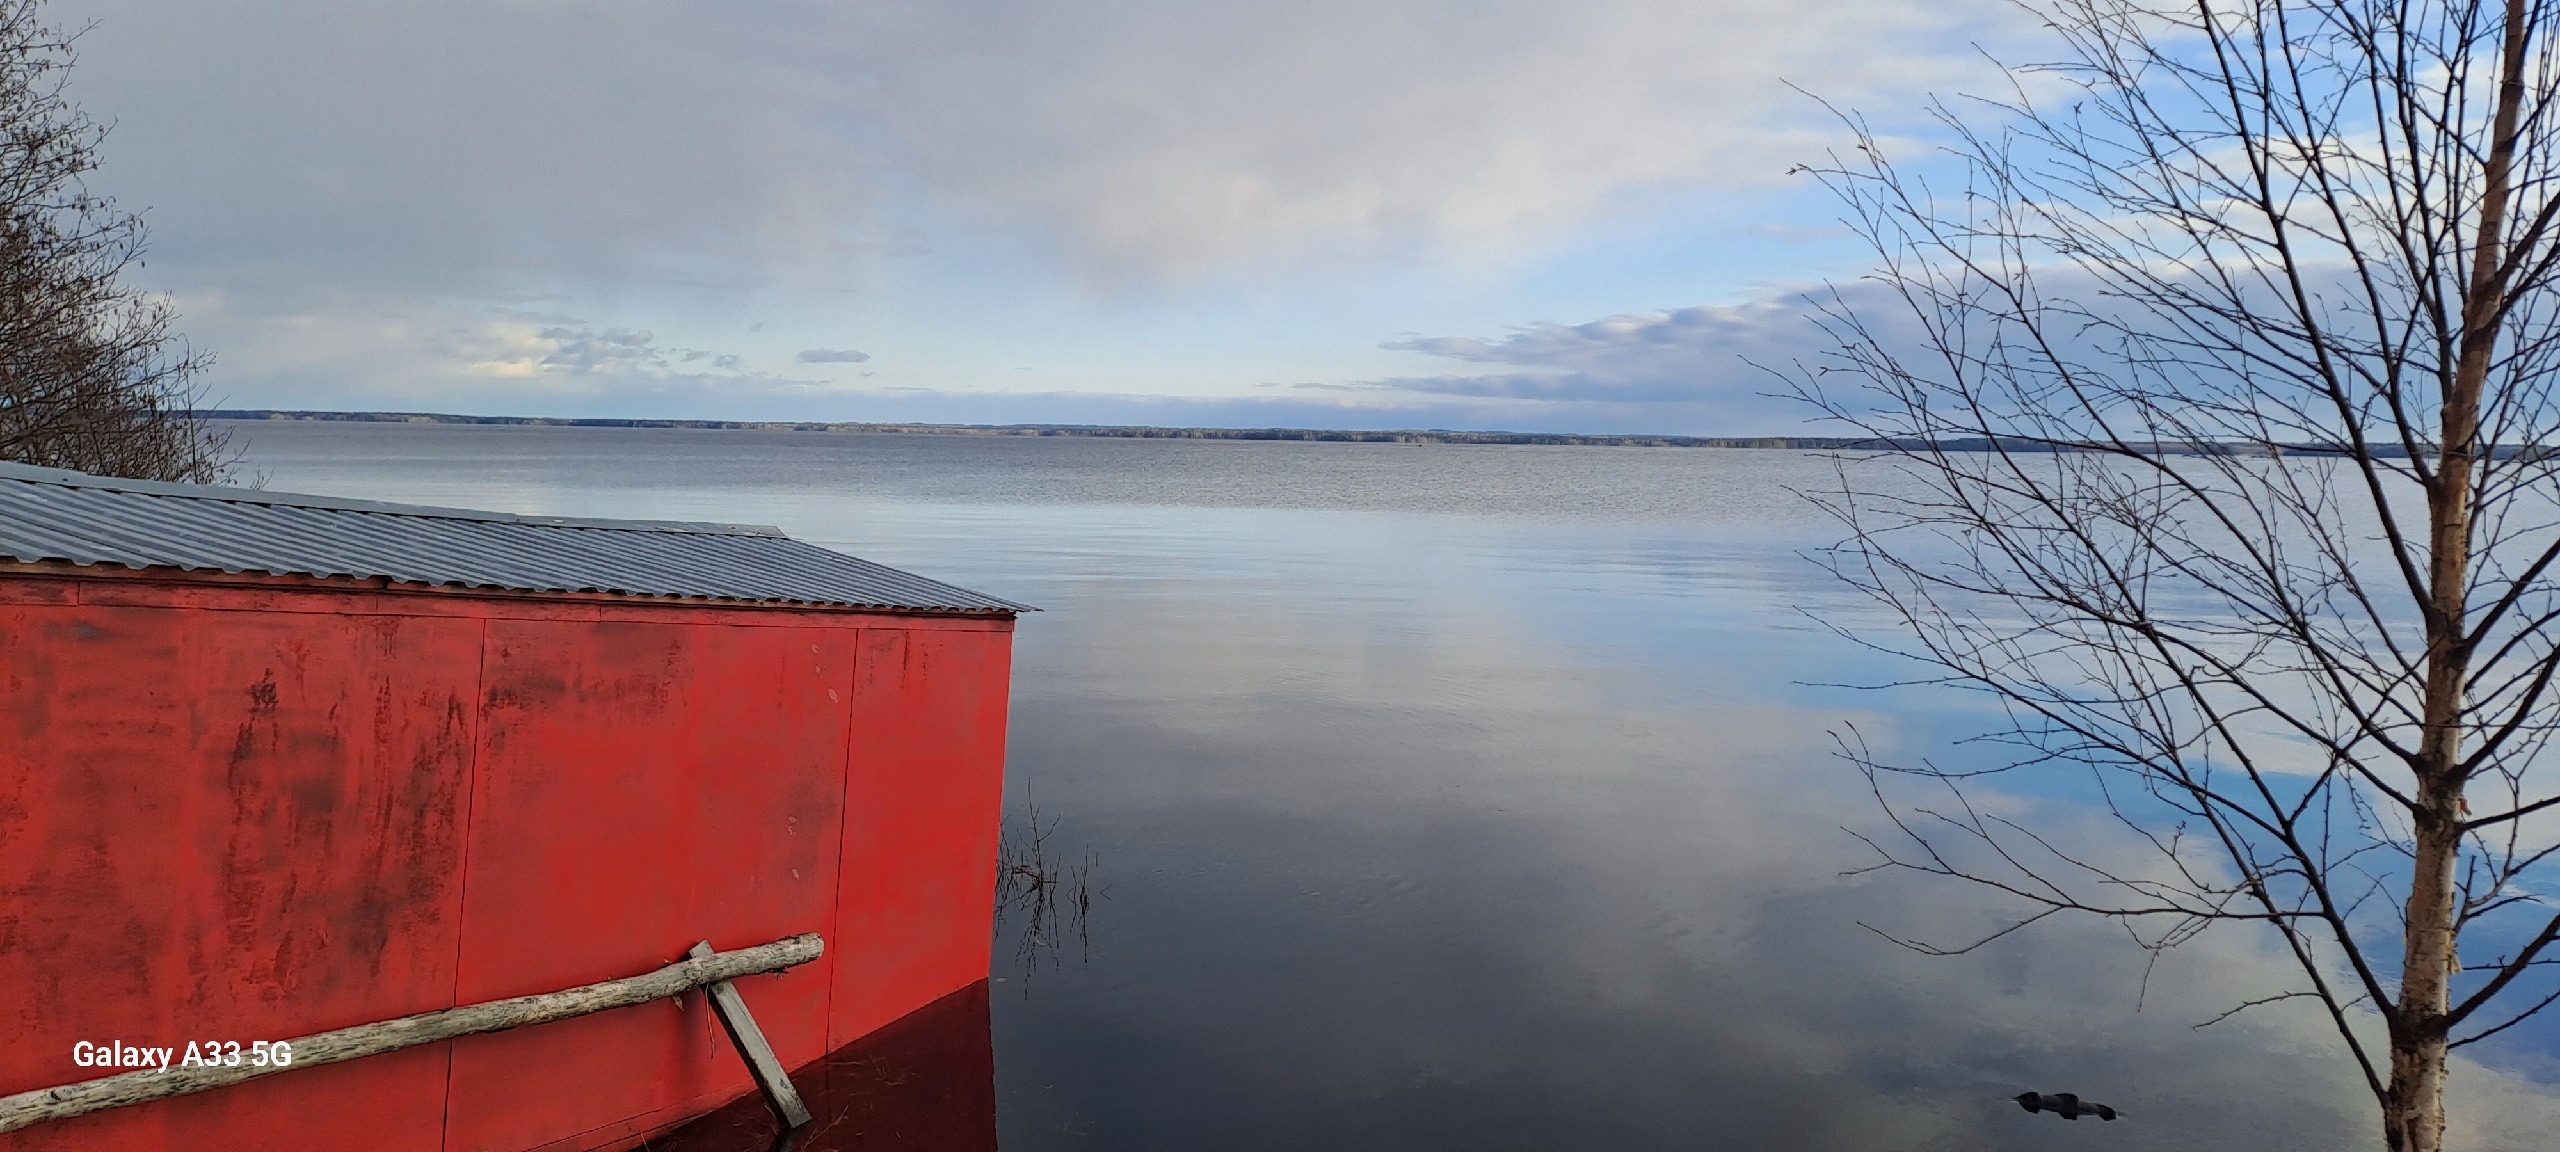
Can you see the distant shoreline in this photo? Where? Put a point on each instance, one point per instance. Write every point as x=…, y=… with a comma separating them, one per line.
x=1408, y=436
x=1110, y=432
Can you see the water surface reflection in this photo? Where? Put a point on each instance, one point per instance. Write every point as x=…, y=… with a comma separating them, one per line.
x=1477, y=798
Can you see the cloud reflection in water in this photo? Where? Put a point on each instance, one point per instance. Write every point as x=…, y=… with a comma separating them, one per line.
x=1469, y=798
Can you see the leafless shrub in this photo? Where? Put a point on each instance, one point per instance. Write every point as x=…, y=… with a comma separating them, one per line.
x=91, y=377
x=1051, y=897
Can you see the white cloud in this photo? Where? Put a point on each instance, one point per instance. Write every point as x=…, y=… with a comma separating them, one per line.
x=832, y=356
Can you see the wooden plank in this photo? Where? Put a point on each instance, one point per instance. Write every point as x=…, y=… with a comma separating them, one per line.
x=700, y=967
x=770, y=1075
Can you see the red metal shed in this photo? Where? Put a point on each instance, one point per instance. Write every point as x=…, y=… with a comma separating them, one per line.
x=276, y=764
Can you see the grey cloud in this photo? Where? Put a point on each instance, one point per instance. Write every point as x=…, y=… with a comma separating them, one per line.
x=1717, y=356
x=295, y=153
x=588, y=351
x=1172, y=136
x=441, y=358
x=1741, y=362
x=832, y=356
x=473, y=145
x=584, y=350
x=372, y=164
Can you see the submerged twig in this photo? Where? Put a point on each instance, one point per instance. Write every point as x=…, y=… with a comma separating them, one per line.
x=1054, y=897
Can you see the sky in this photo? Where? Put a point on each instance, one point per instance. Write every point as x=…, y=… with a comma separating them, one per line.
x=1546, y=215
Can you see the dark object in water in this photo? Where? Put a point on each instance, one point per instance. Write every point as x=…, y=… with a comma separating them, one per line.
x=2064, y=1104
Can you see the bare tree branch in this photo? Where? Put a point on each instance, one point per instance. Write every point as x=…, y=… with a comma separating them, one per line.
x=2213, y=378
x=91, y=377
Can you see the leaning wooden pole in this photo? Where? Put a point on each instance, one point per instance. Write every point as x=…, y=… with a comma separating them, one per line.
x=770, y=1075
x=363, y=1040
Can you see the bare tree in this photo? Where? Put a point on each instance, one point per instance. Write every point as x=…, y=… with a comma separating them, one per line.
x=2213, y=393
x=91, y=377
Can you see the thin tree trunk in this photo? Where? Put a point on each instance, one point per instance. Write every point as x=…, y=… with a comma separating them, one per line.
x=2413, y=1115
x=2413, y=1118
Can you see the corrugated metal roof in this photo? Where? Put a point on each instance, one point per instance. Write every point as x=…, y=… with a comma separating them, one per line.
x=51, y=514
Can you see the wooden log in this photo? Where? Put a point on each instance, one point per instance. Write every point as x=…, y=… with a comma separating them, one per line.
x=741, y=1026
x=363, y=1040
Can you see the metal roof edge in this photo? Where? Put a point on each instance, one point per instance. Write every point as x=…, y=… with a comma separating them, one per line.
x=60, y=569
x=64, y=477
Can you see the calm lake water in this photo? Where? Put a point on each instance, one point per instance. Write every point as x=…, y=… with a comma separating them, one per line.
x=1465, y=798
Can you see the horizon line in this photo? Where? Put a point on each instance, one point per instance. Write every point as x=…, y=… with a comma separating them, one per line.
x=1099, y=431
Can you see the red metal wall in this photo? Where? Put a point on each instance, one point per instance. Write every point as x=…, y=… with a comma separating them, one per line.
x=234, y=810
